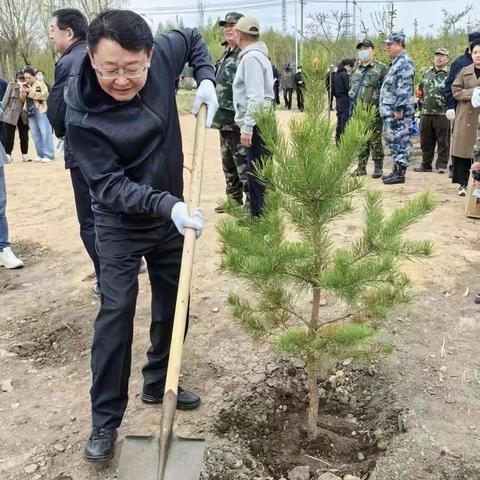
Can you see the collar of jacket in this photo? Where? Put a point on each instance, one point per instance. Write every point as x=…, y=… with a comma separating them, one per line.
x=397, y=58
x=470, y=70
x=71, y=47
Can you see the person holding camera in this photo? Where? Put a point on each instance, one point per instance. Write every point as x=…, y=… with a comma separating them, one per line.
x=35, y=94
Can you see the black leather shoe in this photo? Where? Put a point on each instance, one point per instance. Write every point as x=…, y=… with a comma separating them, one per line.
x=421, y=168
x=185, y=400
x=101, y=445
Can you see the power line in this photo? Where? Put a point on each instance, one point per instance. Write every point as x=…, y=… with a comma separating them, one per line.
x=249, y=4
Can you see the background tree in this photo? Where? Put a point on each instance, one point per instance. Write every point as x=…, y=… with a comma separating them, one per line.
x=288, y=259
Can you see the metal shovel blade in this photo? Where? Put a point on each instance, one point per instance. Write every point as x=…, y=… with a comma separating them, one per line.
x=140, y=458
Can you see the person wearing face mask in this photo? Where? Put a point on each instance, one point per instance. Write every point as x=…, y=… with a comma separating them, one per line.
x=366, y=81
x=396, y=106
x=341, y=87
x=40, y=76
x=299, y=87
x=434, y=125
x=35, y=95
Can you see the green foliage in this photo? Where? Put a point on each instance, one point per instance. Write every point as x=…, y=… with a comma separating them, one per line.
x=288, y=253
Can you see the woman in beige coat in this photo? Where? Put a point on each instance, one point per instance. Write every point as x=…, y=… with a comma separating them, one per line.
x=15, y=117
x=466, y=120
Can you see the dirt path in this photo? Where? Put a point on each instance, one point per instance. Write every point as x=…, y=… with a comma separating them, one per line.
x=46, y=316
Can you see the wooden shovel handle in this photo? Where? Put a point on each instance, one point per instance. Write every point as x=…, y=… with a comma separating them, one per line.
x=181, y=308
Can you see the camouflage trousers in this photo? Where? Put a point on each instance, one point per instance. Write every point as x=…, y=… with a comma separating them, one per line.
x=397, y=136
x=234, y=163
x=374, y=146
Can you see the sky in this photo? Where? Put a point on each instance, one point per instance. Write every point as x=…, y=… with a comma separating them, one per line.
x=428, y=13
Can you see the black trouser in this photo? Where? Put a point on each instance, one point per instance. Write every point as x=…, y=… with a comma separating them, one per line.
x=287, y=97
x=8, y=136
x=83, y=204
x=461, y=170
x=300, y=105
x=342, y=119
x=120, y=251
x=256, y=188
x=434, y=132
x=276, y=91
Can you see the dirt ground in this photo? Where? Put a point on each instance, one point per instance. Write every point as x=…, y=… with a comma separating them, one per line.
x=416, y=409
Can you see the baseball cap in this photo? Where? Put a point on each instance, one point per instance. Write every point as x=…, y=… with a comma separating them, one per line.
x=395, y=38
x=248, y=25
x=365, y=43
x=441, y=51
x=230, y=17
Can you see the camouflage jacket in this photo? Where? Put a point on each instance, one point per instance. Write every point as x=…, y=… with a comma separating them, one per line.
x=225, y=73
x=370, y=89
x=396, y=94
x=432, y=84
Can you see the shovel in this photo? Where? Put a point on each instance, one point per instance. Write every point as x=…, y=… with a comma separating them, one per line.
x=167, y=456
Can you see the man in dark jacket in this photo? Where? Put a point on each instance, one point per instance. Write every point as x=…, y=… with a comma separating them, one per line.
x=68, y=29
x=124, y=132
x=341, y=87
x=299, y=88
x=3, y=88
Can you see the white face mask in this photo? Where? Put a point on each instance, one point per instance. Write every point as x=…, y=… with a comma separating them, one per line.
x=39, y=77
x=363, y=55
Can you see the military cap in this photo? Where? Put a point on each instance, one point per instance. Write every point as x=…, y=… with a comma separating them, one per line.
x=395, y=38
x=442, y=51
x=248, y=25
x=365, y=43
x=230, y=17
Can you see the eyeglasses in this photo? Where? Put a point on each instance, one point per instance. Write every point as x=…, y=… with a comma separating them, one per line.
x=121, y=72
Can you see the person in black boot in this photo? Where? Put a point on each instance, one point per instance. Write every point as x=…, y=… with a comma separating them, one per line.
x=396, y=106
x=123, y=127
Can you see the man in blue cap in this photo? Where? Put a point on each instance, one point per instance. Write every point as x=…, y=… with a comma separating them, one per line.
x=396, y=106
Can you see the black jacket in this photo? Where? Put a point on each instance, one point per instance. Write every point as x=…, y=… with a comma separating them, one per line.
x=341, y=87
x=461, y=62
x=130, y=153
x=3, y=88
x=56, y=103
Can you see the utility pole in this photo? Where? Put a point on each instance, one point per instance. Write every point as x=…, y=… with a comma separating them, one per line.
x=354, y=19
x=284, y=16
x=296, y=36
x=302, y=3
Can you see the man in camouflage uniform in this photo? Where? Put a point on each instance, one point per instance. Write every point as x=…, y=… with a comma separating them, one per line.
x=234, y=160
x=434, y=125
x=365, y=83
x=396, y=106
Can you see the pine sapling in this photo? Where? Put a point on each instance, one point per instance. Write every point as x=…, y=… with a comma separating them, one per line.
x=287, y=255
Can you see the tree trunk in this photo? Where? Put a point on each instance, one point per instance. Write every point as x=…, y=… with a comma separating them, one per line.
x=312, y=370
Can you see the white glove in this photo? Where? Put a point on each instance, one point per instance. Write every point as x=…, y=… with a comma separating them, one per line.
x=476, y=97
x=206, y=94
x=182, y=219
x=450, y=114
